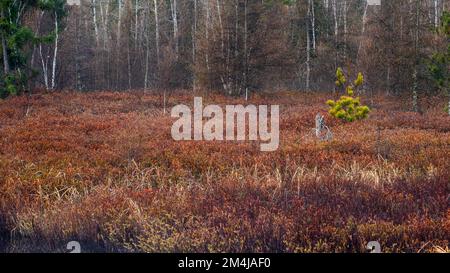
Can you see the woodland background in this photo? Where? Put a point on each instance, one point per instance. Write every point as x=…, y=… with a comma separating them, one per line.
x=236, y=47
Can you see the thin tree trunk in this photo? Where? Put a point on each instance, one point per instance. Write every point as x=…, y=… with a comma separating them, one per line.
x=94, y=15
x=78, y=84
x=147, y=50
x=308, y=47
x=173, y=6
x=415, y=73
x=345, y=29
x=236, y=47
x=363, y=28
x=448, y=92
x=55, y=54
x=219, y=14
x=155, y=3
x=119, y=36
x=223, y=78
x=136, y=10
x=336, y=32
x=129, y=64
x=194, y=44
x=313, y=25
x=44, y=61
x=245, y=46
x=336, y=26
x=44, y=67
x=147, y=53
x=6, y=66
x=207, y=19
x=436, y=13
x=119, y=23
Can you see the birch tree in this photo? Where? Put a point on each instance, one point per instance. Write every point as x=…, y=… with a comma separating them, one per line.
x=94, y=20
x=55, y=8
x=119, y=39
x=308, y=44
x=174, y=10
x=157, y=41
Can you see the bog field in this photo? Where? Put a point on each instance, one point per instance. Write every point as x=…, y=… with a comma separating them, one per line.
x=102, y=169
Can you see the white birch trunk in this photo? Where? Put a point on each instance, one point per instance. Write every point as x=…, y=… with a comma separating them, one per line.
x=345, y=11
x=44, y=64
x=194, y=33
x=363, y=27
x=207, y=20
x=173, y=6
x=313, y=25
x=94, y=18
x=219, y=15
x=436, y=13
x=224, y=78
x=55, y=54
x=245, y=45
x=147, y=51
x=155, y=3
x=119, y=23
x=104, y=14
x=119, y=38
x=345, y=8
x=336, y=26
x=336, y=33
x=44, y=61
x=129, y=64
x=136, y=11
x=194, y=44
x=308, y=47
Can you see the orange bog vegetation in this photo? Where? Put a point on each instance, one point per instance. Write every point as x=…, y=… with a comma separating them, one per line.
x=102, y=168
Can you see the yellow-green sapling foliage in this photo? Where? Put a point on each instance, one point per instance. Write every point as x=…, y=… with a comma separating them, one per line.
x=348, y=108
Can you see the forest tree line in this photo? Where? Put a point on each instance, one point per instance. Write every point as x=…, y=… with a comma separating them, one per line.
x=233, y=46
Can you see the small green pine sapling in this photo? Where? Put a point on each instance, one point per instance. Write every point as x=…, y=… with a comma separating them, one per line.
x=348, y=108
